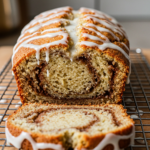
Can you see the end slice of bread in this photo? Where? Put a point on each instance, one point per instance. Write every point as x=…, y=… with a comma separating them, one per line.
x=44, y=126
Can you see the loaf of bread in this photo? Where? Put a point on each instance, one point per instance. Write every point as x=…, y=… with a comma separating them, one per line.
x=72, y=57
x=58, y=127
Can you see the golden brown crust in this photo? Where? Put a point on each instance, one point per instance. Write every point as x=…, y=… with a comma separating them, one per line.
x=111, y=52
x=91, y=141
x=24, y=53
x=76, y=101
x=39, y=138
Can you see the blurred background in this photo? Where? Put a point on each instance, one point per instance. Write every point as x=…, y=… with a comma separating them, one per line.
x=133, y=15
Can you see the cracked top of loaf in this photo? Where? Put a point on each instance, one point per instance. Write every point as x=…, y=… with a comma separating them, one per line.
x=72, y=32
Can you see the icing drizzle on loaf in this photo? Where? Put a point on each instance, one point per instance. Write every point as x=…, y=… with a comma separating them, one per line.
x=17, y=141
x=110, y=23
x=110, y=138
x=33, y=31
x=114, y=140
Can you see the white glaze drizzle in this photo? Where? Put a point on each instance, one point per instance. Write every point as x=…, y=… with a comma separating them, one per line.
x=38, y=26
x=71, y=29
x=83, y=9
x=62, y=21
x=47, y=45
x=128, y=78
x=17, y=141
x=46, y=13
x=100, y=14
x=104, y=46
x=102, y=29
x=47, y=73
x=114, y=139
x=109, y=45
x=106, y=16
x=125, y=46
x=92, y=37
x=110, y=138
x=107, y=24
x=98, y=33
x=113, y=25
x=32, y=30
x=41, y=20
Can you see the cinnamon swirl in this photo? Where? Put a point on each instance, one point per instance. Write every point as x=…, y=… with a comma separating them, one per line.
x=72, y=57
x=46, y=126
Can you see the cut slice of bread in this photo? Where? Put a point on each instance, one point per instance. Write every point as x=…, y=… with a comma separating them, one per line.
x=45, y=126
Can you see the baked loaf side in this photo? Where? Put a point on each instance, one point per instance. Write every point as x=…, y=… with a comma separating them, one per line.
x=65, y=56
x=62, y=127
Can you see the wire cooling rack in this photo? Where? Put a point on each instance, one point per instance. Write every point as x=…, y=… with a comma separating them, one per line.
x=136, y=100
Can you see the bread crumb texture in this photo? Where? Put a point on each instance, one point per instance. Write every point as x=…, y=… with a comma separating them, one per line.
x=73, y=57
x=71, y=126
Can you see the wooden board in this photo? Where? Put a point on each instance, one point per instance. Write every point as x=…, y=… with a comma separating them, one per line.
x=5, y=55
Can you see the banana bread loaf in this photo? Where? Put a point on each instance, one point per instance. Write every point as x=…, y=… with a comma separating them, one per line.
x=58, y=127
x=72, y=57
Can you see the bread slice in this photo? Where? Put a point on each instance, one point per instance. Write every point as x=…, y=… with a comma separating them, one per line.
x=42, y=126
x=72, y=57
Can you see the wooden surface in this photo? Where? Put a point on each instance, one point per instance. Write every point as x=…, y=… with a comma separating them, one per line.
x=146, y=53
x=5, y=55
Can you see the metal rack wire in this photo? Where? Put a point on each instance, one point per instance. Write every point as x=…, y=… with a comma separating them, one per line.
x=136, y=100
